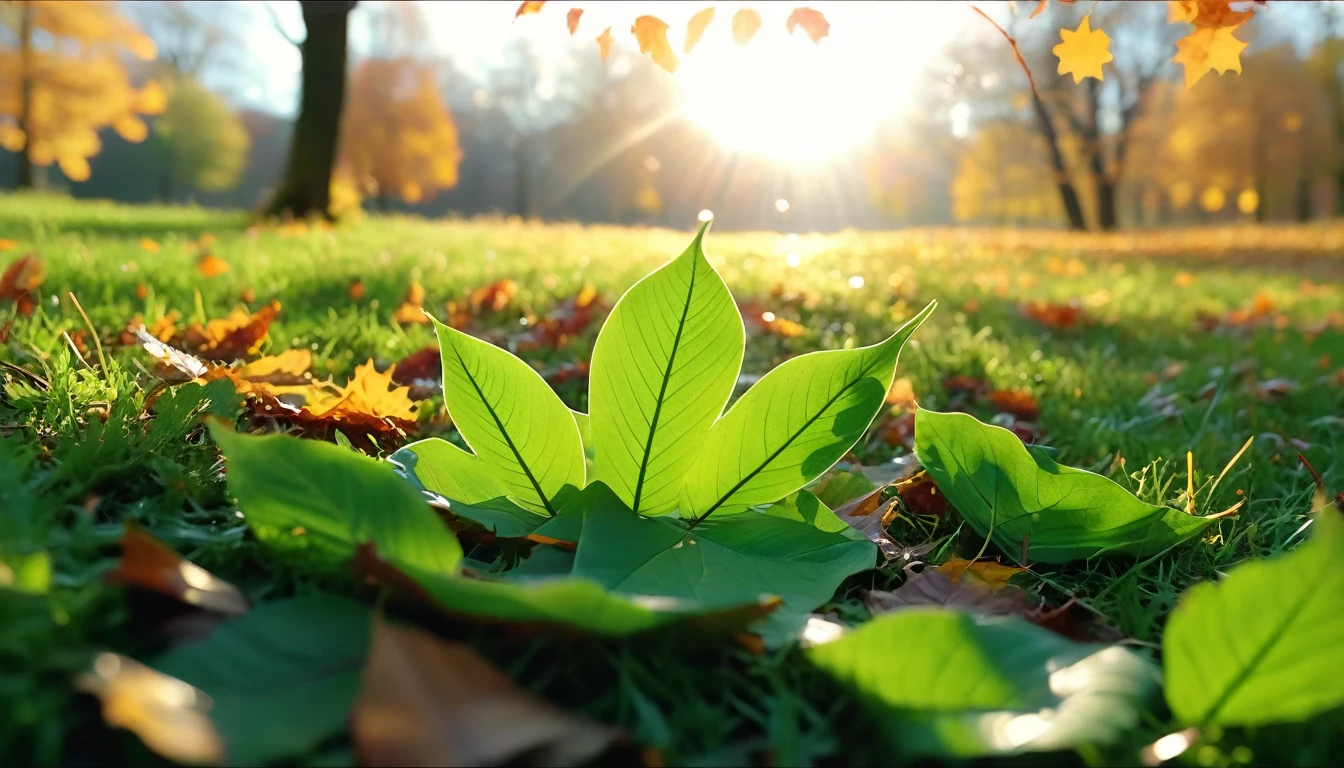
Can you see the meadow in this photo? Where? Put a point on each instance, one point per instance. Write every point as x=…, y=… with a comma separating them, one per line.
x=1151, y=358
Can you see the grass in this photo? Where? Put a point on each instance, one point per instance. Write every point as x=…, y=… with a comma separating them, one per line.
x=1128, y=393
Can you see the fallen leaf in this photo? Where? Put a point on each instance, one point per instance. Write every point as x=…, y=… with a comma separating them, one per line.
x=210, y=265
x=922, y=497
x=960, y=384
x=935, y=587
x=695, y=28
x=1018, y=402
x=150, y=564
x=247, y=296
x=237, y=336
x=812, y=21
x=869, y=515
x=426, y=701
x=1064, y=317
x=572, y=20
x=21, y=280
x=411, y=311
x=746, y=22
x=901, y=394
x=141, y=291
x=533, y=6
x=7, y=245
x=570, y=318
x=993, y=574
x=356, y=290
x=1083, y=51
x=651, y=33
x=1274, y=389
x=149, y=246
x=168, y=715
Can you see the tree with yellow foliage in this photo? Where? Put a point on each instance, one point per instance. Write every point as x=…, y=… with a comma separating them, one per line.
x=398, y=138
x=62, y=79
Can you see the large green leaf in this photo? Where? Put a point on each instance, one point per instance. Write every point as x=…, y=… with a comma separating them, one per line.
x=664, y=365
x=521, y=431
x=723, y=561
x=946, y=683
x=283, y=677
x=792, y=425
x=1007, y=492
x=463, y=482
x=322, y=500
x=1262, y=645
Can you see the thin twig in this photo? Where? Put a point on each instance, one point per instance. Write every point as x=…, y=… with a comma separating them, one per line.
x=75, y=349
x=97, y=344
x=275, y=21
x=33, y=377
x=1017, y=53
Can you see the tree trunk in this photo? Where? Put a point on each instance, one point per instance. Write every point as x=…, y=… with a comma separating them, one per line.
x=26, y=177
x=306, y=187
x=1101, y=181
x=1067, y=194
x=522, y=198
x=1303, y=199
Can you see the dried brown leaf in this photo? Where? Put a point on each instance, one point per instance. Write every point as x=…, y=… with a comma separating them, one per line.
x=150, y=564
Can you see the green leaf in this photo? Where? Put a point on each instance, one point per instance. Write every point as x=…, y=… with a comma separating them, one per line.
x=723, y=561
x=518, y=428
x=1007, y=492
x=664, y=365
x=470, y=491
x=30, y=573
x=585, y=425
x=945, y=683
x=806, y=508
x=837, y=487
x=283, y=677
x=1262, y=645
x=796, y=422
x=322, y=500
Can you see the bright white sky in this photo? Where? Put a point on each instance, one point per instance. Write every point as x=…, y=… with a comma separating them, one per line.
x=779, y=93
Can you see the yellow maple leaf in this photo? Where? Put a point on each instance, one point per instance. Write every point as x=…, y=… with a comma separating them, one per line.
x=1208, y=48
x=994, y=575
x=1083, y=52
x=1181, y=10
x=369, y=394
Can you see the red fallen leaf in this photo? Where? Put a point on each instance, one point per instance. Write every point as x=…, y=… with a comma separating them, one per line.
x=566, y=321
x=960, y=384
x=494, y=297
x=897, y=431
x=572, y=20
x=20, y=282
x=150, y=564
x=1063, y=317
x=419, y=367
x=1026, y=431
x=235, y=337
x=812, y=21
x=1018, y=402
x=922, y=497
x=426, y=701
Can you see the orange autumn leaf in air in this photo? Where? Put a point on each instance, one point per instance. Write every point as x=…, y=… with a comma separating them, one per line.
x=651, y=33
x=528, y=7
x=604, y=43
x=812, y=21
x=1083, y=51
x=211, y=265
x=572, y=20
x=411, y=310
x=236, y=336
x=150, y=564
x=1212, y=45
x=695, y=28
x=746, y=23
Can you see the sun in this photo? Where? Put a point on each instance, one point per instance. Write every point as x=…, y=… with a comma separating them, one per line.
x=794, y=101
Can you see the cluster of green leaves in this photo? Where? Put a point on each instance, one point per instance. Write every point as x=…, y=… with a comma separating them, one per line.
x=692, y=519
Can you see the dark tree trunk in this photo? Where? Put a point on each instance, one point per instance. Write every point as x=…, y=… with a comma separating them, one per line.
x=27, y=179
x=1067, y=194
x=1103, y=184
x=306, y=187
x=1304, y=205
x=522, y=197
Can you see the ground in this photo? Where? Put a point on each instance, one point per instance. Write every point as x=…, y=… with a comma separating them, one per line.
x=1137, y=351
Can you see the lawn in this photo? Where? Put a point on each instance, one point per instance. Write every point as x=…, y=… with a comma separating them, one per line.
x=1134, y=356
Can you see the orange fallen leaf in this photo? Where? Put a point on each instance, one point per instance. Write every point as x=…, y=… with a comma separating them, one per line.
x=356, y=290
x=992, y=574
x=427, y=701
x=411, y=311
x=210, y=265
x=1064, y=317
x=7, y=245
x=494, y=297
x=141, y=291
x=20, y=281
x=1018, y=402
x=150, y=564
x=812, y=21
x=236, y=336
x=170, y=716
x=149, y=246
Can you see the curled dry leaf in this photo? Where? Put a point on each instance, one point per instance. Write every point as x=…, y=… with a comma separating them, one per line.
x=812, y=21
x=237, y=336
x=941, y=589
x=993, y=574
x=695, y=28
x=870, y=515
x=168, y=715
x=150, y=564
x=746, y=23
x=426, y=701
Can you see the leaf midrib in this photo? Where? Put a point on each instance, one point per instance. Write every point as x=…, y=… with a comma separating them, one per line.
x=480, y=395
x=662, y=390
x=811, y=420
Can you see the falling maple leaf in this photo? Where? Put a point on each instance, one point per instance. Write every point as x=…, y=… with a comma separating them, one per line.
x=695, y=28
x=20, y=282
x=651, y=33
x=236, y=336
x=533, y=6
x=812, y=21
x=150, y=564
x=746, y=22
x=572, y=20
x=1083, y=51
x=427, y=701
x=1207, y=49
x=170, y=716
x=411, y=311
x=211, y=265
x=604, y=43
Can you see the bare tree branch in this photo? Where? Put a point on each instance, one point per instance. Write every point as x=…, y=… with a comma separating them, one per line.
x=280, y=28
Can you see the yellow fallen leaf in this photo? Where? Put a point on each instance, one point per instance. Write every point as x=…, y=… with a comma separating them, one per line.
x=168, y=715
